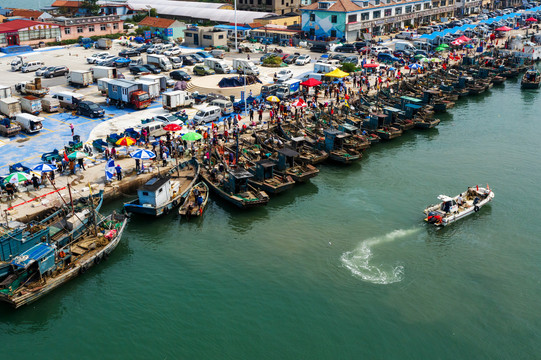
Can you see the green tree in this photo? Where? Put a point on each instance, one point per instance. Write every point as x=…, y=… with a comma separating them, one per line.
x=91, y=6
x=348, y=67
x=153, y=12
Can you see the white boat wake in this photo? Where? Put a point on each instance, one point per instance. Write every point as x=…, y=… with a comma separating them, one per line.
x=358, y=260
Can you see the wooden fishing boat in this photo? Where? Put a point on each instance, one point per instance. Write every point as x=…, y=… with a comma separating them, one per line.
x=196, y=201
x=421, y=123
x=232, y=186
x=531, y=79
x=59, y=226
x=389, y=132
x=498, y=80
x=161, y=194
x=451, y=209
x=44, y=267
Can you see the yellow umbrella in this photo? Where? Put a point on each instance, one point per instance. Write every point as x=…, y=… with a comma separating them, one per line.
x=337, y=73
x=273, y=99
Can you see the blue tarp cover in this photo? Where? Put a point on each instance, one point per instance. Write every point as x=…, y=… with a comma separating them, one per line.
x=35, y=253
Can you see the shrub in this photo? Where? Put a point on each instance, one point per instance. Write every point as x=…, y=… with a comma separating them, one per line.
x=348, y=67
x=273, y=60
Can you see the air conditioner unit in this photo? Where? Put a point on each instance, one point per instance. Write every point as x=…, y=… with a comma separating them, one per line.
x=108, y=24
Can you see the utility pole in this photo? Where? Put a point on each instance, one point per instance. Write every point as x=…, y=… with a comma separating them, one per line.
x=236, y=46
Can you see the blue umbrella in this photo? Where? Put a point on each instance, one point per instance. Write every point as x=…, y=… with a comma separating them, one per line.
x=142, y=154
x=392, y=69
x=414, y=66
x=44, y=168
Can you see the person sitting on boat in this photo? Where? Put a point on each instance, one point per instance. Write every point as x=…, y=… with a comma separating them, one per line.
x=199, y=201
x=460, y=200
x=196, y=192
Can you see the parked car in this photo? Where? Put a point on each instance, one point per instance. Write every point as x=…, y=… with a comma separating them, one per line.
x=352, y=60
x=90, y=109
x=103, y=60
x=129, y=53
x=96, y=56
x=378, y=49
x=291, y=59
x=204, y=54
x=138, y=69
x=168, y=118
x=42, y=70
x=144, y=48
x=56, y=71
x=389, y=59
x=320, y=48
x=172, y=52
x=403, y=53
x=284, y=75
x=152, y=68
x=202, y=70
x=187, y=60
x=176, y=62
x=199, y=98
x=303, y=60
x=338, y=57
x=347, y=48
x=180, y=75
x=198, y=58
x=360, y=44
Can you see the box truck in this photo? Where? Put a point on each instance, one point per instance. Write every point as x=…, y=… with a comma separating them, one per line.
x=127, y=93
x=245, y=67
x=151, y=87
x=288, y=88
x=10, y=107
x=80, y=78
x=160, y=61
x=177, y=99
x=50, y=104
x=5, y=91
x=31, y=104
x=29, y=123
x=103, y=43
x=99, y=72
x=219, y=66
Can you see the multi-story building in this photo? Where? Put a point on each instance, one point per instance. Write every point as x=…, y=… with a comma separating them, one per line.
x=349, y=19
x=72, y=28
x=27, y=32
x=280, y=7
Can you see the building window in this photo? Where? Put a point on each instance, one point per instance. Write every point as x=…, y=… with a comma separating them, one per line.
x=312, y=17
x=408, y=9
x=376, y=2
x=376, y=14
x=398, y=11
x=443, y=2
x=334, y=19
x=115, y=26
x=365, y=4
x=283, y=2
x=208, y=37
x=418, y=7
x=251, y=2
x=67, y=31
x=365, y=16
x=450, y=2
x=79, y=29
x=388, y=12
x=269, y=2
x=435, y=4
x=90, y=28
x=333, y=33
x=103, y=27
x=352, y=18
x=426, y=6
x=220, y=36
x=188, y=34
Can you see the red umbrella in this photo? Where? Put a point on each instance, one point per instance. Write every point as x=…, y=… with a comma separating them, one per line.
x=300, y=103
x=531, y=19
x=504, y=28
x=172, y=127
x=311, y=82
x=463, y=38
x=370, y=65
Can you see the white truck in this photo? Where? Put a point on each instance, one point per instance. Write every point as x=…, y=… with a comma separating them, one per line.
x=245, y=67
x=80, y=78
x=104, y=43
x=324, y=68
x=160, y=79
x=177, y=99
x=31, y=104
x=218, y=65
x=50, y=104
x=20, y=60
x=5, y=91
x=29, y=123
x=99, y=72
x=151, y=87
x=160, y=61
x=404, y=45
x=103, y=85
x=10, y=107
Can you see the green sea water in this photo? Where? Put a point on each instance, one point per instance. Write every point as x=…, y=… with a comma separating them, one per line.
x=340, y=268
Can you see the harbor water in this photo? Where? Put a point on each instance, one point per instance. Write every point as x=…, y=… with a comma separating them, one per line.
x=340, y=268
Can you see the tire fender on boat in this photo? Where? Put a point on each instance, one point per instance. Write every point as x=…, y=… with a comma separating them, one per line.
x=476, y=208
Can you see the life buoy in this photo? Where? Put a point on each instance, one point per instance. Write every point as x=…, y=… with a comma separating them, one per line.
x=61, y=254
x=476, y=208
x=82, y=270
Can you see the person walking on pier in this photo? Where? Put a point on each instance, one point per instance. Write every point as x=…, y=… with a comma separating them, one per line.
x=118, y=170
x=72, y=128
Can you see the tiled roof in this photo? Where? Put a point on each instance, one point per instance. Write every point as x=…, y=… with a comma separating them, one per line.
x=25, y=13
x=16, y=25
x=338, y=6
x=156, y=22
x=62, y=3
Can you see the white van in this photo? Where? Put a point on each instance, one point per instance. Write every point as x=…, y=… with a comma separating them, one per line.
x=155, y=128
x=206, y=115
x=32, y=66
x=225, y=105
x=217, y=53
x=154, y=48
x=317, y=76
x=29, y=123
x=164, y=48
x=219, y=66
x=403, y=45
x=68, y=99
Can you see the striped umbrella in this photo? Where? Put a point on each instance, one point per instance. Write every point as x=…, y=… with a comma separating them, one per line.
x=125, y=141
x=300, y=103
x=272, y=98
x=17, y=177
x=43, y=167
x=142, y=154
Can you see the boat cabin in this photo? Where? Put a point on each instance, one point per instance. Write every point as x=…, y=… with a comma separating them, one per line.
x=286, y=158
x=298, y=141
x=429, y=95
x=334, y=139
x=356, y=122
x=375, y=121
x=264, y=169
x=156, y=192
x=20, y=240
x=448, y=204
x=349, y=129
x=41, y=255
x=237, y=181
x=394, y=114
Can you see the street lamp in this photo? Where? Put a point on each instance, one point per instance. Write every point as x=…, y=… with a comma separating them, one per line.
x=149, y=8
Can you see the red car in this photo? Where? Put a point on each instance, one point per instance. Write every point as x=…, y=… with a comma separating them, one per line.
x=364, y=50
